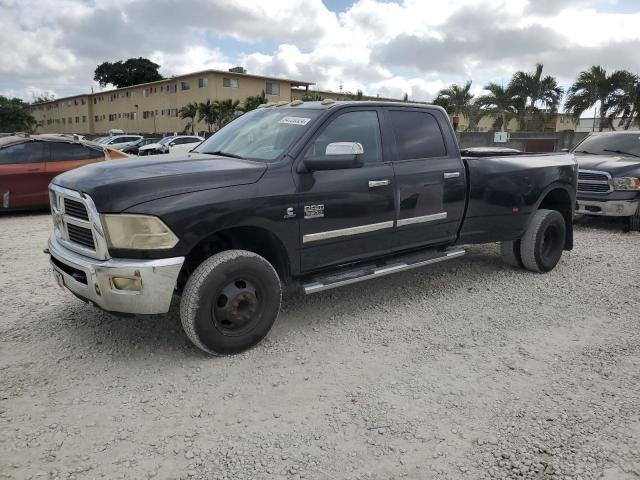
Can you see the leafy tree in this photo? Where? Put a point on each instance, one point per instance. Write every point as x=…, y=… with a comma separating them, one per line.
x=312, y=97
x=595, y=86
x=209, y=112
x=15, y=116
x=405, y=97
x=189, y=111
x=359, y=95
x=252, y=102
x=500, y=103
x=228, y=110
x=538, y=94
x=130, y=72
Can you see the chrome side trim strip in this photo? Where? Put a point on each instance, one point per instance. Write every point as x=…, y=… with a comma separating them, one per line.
x=380, y=272
x=345, y=232
x=422, y=219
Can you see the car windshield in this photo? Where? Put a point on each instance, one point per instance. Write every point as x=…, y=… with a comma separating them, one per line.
x=166, y=140
x=262, y=135
x=623, y=143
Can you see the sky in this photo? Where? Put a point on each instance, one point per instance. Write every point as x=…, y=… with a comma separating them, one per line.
x=381, y=47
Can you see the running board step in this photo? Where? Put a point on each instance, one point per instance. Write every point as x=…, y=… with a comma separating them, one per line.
x=346, y=277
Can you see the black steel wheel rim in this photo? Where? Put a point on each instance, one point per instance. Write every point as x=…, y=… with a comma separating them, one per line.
x=237, y=306
x=550, y=240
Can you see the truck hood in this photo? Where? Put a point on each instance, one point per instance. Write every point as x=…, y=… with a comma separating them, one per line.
x=616, y=165
x=117, y=185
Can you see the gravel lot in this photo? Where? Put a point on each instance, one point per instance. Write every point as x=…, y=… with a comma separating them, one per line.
x=469, y=369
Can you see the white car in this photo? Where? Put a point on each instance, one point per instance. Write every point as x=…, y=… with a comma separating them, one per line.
x=174, y=144
x=120, y=141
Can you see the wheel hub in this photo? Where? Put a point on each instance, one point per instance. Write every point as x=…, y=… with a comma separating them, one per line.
x=236, y=308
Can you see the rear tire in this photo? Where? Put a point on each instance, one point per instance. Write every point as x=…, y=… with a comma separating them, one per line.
x=634, y=221
x=510, y=252
x=230, y=302
x=542, y=244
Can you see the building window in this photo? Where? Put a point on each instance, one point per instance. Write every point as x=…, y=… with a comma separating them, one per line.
x=134, y=115
x=84, y=119
x=145, y=92
x=173, y=88
x=231, y=83
x=273, y=88
x=70, y=120
x=184, y=85
x=203, y=82
x=77, y=119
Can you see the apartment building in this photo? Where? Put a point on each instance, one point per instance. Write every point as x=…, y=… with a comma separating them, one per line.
x=153, y=107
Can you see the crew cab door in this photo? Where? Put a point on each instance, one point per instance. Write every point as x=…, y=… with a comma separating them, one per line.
x=346, y=214
x=430, y=177
x=23, y=180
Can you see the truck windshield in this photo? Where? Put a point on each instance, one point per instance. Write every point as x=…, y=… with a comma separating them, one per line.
x=262, y=135
x=622, y=144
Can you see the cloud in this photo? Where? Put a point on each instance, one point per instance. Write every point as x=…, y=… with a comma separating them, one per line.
x=385, y=48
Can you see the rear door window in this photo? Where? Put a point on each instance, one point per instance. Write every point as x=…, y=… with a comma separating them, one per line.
x=25, y=152
x=417, y=134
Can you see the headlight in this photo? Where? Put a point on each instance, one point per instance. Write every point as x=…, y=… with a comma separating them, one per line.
x=626, y=183
x=137, y=232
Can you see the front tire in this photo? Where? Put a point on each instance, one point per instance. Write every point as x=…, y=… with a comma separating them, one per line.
x=230, y=302
x=542, y=244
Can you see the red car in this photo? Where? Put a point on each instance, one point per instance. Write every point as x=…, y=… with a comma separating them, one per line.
x=29, y=163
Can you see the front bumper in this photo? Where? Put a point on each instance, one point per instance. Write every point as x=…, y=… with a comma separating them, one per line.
x=92, y=280
x=612, y=208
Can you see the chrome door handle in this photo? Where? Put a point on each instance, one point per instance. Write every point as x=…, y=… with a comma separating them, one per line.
x=378, y=183
x=451, y=174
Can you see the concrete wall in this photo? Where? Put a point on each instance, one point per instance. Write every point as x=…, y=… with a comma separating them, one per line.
x=524, y=141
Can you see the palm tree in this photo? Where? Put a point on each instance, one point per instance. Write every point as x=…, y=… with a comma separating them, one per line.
x=209, y=112
x=537, y=92
x=457, y=100
x=189, y=111
x=500, y=103
x=252, y=102
x=595, y=86
x=627, y=104
x=227, y=111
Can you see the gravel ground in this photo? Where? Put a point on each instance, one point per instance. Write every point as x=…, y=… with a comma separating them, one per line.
x=469, y=369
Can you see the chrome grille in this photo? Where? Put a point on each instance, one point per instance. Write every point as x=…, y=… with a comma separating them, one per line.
x=81, y=235
x=592, y=181
x=77, y=223
x=75, y=209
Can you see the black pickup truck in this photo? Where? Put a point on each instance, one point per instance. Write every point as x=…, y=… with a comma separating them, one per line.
x=313, y=195
x=609, y=175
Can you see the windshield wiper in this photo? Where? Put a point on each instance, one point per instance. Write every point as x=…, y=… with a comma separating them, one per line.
x=621, y=152
x=224, y=154
x=584, y=151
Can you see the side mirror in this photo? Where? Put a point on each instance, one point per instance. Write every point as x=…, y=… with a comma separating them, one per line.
x=344, y=148
x=337, y=156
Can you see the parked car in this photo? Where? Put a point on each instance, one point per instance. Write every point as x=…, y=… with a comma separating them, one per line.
x=167, y=143
x=314, y=195
x=120, y=141
x=28, y=163
x=609, y=175
x=133, y=148
x=184, y=144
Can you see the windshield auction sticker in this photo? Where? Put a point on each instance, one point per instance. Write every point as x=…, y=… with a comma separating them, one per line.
x=295, y=120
